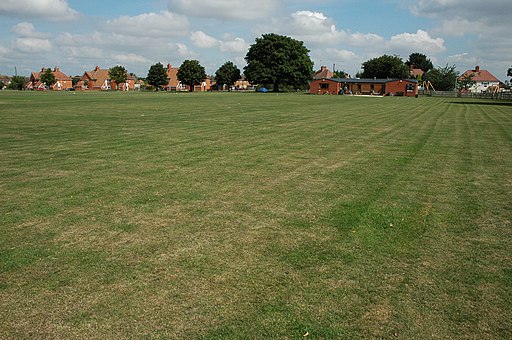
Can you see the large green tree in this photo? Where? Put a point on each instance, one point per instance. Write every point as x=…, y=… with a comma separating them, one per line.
x=48, y=78
x=191, y=73
x=420, y=61
x=386, y=66
x=17, y=83
x=278, y=60
x=118, y=74
x=157, y=76
x=442, y=78
x=227, y=74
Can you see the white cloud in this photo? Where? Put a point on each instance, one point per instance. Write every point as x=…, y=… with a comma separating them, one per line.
x=237, y=45
x=56, y=10
x=130, y=58
x=342, y=55
x=225, y=9
x=420, y=41
x=459, y=17
x=229, y=44
x=182, y=50
x=317, y=29
x=162, y=24
x=27, y=30
x=203, y=40
x=32, y=45
x=3, y=51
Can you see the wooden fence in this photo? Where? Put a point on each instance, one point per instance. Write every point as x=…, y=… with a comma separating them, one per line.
x=455, y=94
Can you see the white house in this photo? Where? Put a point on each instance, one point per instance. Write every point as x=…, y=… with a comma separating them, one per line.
x=484, y=80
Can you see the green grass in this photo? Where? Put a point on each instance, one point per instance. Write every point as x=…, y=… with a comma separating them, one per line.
x=154, y=215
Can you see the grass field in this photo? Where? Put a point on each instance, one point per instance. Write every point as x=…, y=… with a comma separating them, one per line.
x=154, y=215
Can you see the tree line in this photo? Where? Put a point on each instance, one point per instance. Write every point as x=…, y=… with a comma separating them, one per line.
x=276, y=61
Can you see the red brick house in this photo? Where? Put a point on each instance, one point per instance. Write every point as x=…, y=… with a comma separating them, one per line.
x=380, y=87
x=62, y=81
x=416, y=73
x=99, y=80
x=175, y=85
x=323, y=73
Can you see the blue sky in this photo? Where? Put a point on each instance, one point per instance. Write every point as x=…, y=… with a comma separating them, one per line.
x=77, y=35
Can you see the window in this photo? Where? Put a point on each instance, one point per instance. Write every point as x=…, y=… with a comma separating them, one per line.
x=324, y=86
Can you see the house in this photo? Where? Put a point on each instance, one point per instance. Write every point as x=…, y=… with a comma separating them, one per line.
x=99, y=80
x=323, y=73
x=62, y=81
x=416, y=73
x=483, y=79
x=382, y=87
x=175, y=85
x=6, y=80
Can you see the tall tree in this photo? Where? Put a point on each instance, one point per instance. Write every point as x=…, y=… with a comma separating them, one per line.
x=386, y=66
x=17, y=83
x=509, y=72
x=278, y=60
x=442, y=78
x=157, y=76
x=48, y=78
x=465, y=82
x=191, y=73
x=227, y=74
x=118, y=75
x=419, y=60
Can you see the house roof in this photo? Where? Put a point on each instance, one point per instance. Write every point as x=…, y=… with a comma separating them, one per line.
x=98, y=76
x=323, y=73
x=172, y=76
x=415, y=72
x=59, y=75
x=480, y=75
x=369, y=80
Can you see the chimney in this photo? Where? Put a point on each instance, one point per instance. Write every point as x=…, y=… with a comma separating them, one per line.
x=477, y=68
x=56, y=69
x=97, y=68
x=43, y=69
x=323, y=68
x=169, y=66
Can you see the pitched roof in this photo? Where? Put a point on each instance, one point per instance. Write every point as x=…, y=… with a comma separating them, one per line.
x=369, y=80
x=480, y=75
x=323, y=73
x=172, y=76
x=59, y=75
x=415, y=72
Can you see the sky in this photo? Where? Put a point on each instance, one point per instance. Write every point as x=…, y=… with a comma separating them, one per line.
x=77, y=35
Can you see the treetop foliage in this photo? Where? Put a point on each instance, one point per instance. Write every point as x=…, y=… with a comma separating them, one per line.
x=386, y=66
x=191, y=73
x=157, y=76
x=48, y=78
x=443, y=78
x=420, y=61
x=227, y=74
x=278, y=60
x=118, y=74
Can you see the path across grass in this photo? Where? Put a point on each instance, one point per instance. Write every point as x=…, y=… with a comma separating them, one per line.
x=254, y=216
